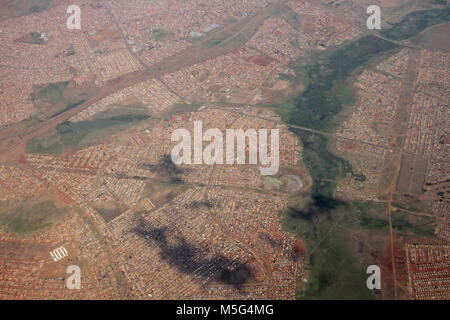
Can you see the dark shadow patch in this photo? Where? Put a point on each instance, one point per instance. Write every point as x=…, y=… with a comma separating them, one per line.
x=198, y=204
x=236, y=277
x=320, y=205
x=167, y=167
x=189, y=258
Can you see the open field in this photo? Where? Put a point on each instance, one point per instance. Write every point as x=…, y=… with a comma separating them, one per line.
x=69, y=136
x=412, y=175
x=337, y=258
x=110, y=209
x=407, y=223
x=160, y=34
x=54, y=99
x=29, y=215
x=162, y=192
x=16, y=8
x=434, y=38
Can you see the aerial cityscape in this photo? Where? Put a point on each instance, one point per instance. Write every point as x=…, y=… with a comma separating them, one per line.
x=211, y=150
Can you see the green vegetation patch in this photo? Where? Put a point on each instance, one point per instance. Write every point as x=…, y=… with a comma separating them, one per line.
x=325, y=225
x=372, y=216
x=52, y=92
x=405, y=222
x=215, y=41
x=18, y=8
x=69, y=51
x=30, y=121
x=325, y=94
x=28, y=216
x=160, y=34
x=68, y=106
x=37, y=5
x=407, y=207
x=71, y=135
x=35, y=38
x=321, y=163
x=416, y=22
x=326, y=222
x=342, y=92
